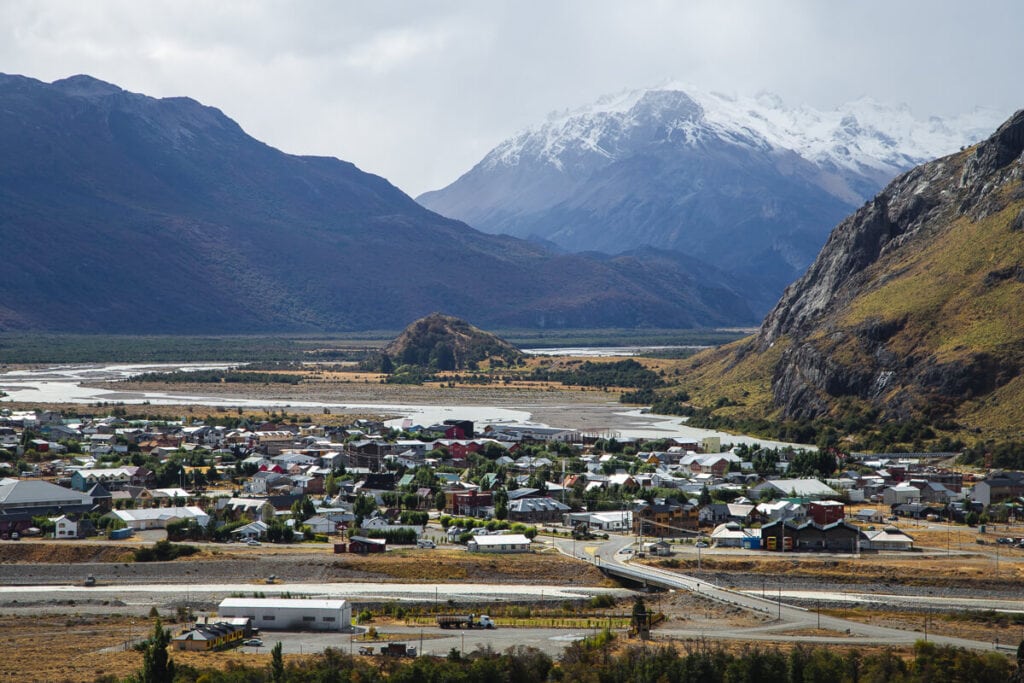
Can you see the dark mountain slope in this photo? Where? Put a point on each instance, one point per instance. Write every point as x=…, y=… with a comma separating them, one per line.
x=120, y=212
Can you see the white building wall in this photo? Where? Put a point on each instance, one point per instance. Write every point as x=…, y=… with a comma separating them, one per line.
x=276, y=615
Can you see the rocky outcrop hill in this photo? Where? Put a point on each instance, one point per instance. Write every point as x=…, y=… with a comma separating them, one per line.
x=444, y=342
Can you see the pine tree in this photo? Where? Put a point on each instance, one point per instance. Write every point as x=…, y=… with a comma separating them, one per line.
x=277, y=664
x=157, y=666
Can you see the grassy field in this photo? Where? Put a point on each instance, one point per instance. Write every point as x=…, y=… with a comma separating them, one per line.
x=20, y=348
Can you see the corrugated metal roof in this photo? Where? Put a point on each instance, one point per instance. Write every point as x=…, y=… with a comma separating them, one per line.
x=280, y=603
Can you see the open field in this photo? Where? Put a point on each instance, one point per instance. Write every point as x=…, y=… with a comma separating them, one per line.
x=83, y=646
x=983, y=627
x=345, y=388
x=35, y=562
x=964, y=572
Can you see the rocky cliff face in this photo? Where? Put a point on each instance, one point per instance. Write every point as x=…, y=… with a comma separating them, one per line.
x=912, y=303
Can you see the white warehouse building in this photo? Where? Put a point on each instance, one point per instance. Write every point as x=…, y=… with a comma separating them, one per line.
x=289, y=614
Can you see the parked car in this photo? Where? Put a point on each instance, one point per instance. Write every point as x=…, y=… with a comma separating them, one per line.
x=254, y=642
x=253, y=541
x=700, y=544
x=1005, y=541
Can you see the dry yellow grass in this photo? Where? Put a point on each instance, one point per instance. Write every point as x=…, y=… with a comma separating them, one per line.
x=910, y=569
x=51, y=648
x=456, y=565
x=938, y=624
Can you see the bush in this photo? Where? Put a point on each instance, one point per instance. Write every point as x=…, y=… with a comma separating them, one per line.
x=601, y=601
x=414, y=517
x=393, y=536
x=164, y=551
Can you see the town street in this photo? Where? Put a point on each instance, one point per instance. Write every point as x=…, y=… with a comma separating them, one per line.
x=609, y=557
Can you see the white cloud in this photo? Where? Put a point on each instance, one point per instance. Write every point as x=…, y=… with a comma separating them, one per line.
x=392, y=49
x=419, y=91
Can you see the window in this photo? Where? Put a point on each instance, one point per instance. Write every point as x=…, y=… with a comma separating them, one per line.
x=268, y=617
x=329, y=619
x=309, y=618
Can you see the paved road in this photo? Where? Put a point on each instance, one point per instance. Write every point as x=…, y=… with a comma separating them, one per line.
x=419, y=592
x=428, y=640
x=898, y=600
x=608, y=555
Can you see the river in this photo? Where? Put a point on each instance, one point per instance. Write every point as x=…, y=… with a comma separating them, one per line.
x=68, y=384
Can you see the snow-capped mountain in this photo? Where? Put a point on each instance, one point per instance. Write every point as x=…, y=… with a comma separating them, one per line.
x=746, y=183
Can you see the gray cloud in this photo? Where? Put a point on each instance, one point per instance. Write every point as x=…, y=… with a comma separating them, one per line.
x=419, y=91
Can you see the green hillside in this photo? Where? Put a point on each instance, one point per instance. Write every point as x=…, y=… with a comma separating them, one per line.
x=909, y=327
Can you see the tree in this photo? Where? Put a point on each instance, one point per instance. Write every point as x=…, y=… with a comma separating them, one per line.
x=267, y=513
x=308, y=509
x=277, y=664
x=640, y=621
x=442, y=357
x=439, y=500
x=501, y=504
x=156, y=664
x=362, y=507
x=705, y=496
x=331, y=485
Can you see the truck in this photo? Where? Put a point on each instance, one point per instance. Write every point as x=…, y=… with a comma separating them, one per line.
x=398, y=650
x=464, y=621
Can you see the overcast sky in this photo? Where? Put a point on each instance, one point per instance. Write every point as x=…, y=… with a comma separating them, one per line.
x=418, y=91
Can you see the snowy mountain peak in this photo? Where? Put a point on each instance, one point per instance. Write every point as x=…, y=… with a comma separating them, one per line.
x=864, y=137
x=749, y=184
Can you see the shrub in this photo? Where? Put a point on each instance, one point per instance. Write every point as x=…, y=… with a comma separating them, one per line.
x=601, y=601
x=164, y=551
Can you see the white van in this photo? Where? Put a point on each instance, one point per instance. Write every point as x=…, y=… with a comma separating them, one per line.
x=425, y=543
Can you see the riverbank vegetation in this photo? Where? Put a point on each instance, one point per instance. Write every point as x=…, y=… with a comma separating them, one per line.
x=24, y=348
